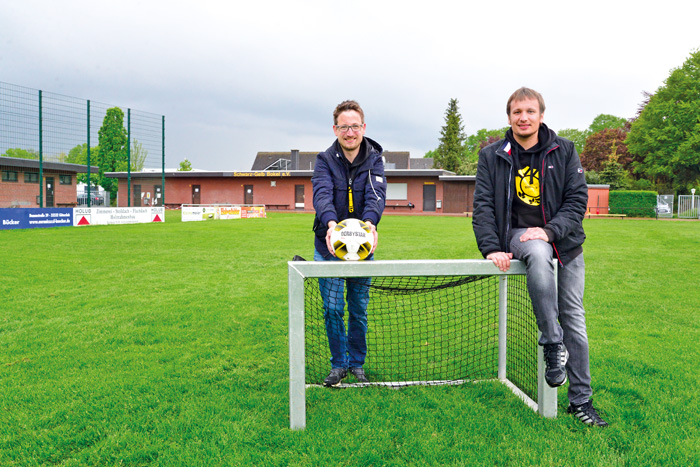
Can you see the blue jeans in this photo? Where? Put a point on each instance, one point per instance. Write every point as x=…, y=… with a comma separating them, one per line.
x=347, y=350
x=559, y=310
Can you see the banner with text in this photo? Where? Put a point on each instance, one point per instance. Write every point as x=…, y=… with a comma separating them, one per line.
x=31, y=218
x=208, y=213
x=105, y=216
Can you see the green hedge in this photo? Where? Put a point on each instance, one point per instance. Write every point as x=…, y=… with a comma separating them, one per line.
x=633, y=203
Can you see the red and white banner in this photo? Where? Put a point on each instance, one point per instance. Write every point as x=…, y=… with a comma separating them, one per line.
x=105, y=216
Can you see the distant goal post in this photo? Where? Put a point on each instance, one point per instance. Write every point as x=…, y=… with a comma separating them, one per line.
x=204, y=212
x=412, y=303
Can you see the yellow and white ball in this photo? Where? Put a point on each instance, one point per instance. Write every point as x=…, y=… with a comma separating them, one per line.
x=352, y=240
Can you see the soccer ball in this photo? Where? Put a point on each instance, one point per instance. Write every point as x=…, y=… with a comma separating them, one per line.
x=352, y=240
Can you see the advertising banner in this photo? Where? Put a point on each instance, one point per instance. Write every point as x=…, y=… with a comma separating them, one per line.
x=206, y=213
x=105, y=216
x=31, y=218
x=230, y=212
x=250, y=212
x=199, y=213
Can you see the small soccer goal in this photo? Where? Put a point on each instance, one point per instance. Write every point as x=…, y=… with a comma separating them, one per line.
x=429, y=323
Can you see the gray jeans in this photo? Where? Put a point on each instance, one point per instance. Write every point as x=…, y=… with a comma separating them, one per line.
x=558, y=310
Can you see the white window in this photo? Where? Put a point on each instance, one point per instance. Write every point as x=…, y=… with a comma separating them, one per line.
x=397, y=191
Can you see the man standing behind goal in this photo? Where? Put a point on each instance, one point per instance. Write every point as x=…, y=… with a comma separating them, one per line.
x=529, y=203
x=348, y=182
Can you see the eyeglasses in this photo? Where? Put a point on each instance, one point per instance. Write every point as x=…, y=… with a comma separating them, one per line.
x=346, y=128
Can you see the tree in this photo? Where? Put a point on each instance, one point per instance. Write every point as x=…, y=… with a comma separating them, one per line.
x=482, y=138
x=450, y=152
x=578, y=137
x=78, y=155
x=185, y=166
x=476, y=142
x=613, y=174
x=112, y=154
x=22, y=153
x=600, y=145
x=606, y=122
x=666, y=135
x=138, y=156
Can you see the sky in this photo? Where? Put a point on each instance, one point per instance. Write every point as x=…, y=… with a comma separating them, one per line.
x=233, y=78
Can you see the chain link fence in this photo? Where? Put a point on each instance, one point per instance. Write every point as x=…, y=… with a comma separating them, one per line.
x=50, y=154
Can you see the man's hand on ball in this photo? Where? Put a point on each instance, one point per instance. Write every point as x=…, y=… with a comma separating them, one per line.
x=331, y=226
x=373, y=229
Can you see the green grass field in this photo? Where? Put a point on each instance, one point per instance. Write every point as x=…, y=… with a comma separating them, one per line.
x=166, y=345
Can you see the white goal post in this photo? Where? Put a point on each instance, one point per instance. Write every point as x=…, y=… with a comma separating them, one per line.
x=546, y=403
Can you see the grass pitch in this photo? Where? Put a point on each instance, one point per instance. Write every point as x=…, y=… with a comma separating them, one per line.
x=166, y=345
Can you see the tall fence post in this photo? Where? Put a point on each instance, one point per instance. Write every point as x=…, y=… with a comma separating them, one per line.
x=88, y=154
x=162, y=172
x=128, y=158
x=41, y=153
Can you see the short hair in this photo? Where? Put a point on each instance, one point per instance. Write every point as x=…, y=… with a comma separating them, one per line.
x=525, y=93
x=346, y=106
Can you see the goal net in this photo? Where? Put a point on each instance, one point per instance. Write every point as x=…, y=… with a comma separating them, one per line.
x=429, y=322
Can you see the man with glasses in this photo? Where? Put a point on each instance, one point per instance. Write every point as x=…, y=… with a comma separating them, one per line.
x=529, y=202
x=348, y=182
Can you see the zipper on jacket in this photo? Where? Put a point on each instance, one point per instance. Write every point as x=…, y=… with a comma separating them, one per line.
x=544, y=217
x=510, y=207
x=351, y=207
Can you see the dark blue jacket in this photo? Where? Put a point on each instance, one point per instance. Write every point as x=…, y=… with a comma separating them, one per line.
x=563, y=192
x=331, y=183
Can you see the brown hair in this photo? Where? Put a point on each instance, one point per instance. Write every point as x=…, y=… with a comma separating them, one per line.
x=346, y=106
x=525, y=93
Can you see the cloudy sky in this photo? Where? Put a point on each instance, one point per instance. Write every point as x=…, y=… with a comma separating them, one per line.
x=237, y=77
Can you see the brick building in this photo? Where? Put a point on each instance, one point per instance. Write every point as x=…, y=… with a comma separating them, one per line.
x=20, y=185
x=282, y=181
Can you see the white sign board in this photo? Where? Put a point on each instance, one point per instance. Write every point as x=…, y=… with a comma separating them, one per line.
x=105, y=216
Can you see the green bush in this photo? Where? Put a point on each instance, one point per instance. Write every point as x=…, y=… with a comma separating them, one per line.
x=633, y=203
x=642, y=184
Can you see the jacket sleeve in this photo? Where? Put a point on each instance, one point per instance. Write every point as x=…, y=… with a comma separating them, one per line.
x=375, y=192
x=323, y=186
x=484, y=216
x=574, y=200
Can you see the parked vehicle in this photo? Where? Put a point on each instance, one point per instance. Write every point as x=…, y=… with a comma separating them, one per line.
x=95, y=199
x=662, y=208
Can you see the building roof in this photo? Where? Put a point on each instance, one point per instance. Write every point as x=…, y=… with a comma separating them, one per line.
x=273, y=174
x=421, y=163
x=457, y=178
x=283, y=161
x=298, y=160
x=46, y=165
x=214, y=174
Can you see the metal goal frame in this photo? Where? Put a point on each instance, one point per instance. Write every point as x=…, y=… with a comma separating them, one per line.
x=546, y=405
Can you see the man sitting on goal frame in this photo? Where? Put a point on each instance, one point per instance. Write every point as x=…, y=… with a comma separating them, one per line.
x=529, y=203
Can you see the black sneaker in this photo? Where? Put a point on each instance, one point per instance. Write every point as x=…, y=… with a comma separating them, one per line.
x=335, y=377
x=359, y=374
x=555, y=358
x=587, y=414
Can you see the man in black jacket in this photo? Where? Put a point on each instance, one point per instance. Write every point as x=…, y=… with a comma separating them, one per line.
x=529, y=203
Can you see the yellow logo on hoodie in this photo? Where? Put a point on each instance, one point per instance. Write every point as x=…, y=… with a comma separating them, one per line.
x=527, y=184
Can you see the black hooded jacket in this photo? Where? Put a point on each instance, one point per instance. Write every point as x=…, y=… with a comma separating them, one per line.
x=563, y=194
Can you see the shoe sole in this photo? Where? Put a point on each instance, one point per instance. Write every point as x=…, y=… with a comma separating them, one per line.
x=333, y=385
x=557, y=385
